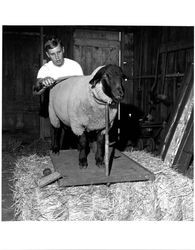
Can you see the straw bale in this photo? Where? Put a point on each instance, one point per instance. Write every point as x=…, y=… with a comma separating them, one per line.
x=168, y=197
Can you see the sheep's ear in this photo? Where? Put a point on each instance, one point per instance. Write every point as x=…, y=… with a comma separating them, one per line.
x=97, y=77
x=93, y=82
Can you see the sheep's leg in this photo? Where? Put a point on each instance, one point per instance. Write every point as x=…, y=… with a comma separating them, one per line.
x=55, y=139
x=83, y=150
x=99, y=156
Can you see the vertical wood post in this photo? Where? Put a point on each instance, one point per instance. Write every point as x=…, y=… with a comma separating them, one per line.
x=119, y=118
x=107, y=139
x=41, y=63
x=120, y=63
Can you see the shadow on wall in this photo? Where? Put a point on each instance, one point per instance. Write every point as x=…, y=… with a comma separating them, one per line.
x=129, y=126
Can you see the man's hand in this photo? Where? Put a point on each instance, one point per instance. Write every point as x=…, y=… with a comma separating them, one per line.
x=42, y=84
x=47, y=82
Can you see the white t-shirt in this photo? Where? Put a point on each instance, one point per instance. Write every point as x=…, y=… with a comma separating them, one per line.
x=69, y=68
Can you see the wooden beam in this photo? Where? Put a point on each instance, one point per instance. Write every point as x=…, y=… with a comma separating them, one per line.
x=185, y=150
x=107, y=139
x=21, y=33
x=175, y=46
x=184, y=95
x=96, y=43
x=173, y=75
x=44, y=181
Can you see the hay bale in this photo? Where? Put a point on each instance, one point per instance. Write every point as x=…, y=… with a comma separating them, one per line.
x=168, y=197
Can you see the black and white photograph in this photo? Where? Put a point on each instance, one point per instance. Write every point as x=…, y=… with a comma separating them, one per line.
x=97, y=126
x=97, y=123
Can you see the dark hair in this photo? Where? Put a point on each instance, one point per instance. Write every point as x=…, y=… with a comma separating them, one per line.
x=52, y=42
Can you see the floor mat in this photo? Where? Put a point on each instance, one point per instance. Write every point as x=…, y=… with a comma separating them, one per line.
x=121, y=169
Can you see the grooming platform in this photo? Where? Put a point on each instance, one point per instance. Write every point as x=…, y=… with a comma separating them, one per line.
x=121, y=169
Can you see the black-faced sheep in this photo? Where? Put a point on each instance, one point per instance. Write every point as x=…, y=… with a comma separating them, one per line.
x=79, y=102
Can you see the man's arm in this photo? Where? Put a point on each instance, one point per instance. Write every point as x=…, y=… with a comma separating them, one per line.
x=41, y=84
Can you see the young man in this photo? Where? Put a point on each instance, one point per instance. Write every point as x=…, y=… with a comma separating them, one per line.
x=58, y=67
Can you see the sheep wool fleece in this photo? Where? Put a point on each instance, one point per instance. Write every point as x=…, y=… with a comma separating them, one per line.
x=72, y=101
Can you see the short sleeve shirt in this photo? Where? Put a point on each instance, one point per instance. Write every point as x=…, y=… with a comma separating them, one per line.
x=69, y=68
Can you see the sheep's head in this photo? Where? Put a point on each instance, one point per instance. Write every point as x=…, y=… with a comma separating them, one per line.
x=111, y=77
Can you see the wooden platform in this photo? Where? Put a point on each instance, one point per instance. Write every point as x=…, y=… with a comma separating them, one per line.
x=122, y=169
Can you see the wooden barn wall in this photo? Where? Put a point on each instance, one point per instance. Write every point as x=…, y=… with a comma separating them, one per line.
x=139, y=47
x=94, y=48
x=20, y=64
x=147, y=41
x=127, y=62
x=21, y=61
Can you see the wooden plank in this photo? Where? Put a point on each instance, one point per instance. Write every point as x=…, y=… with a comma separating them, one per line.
x=178, y=134
x=122, y=169
x=96, y=34
x=175, y=46
x=44, y=127
x=33, y=34
x=96, y=43
x=91, y=58
x=107, y=139
x=44, y=181
x=173, y=75
x=185, y=90
x=185, y=151
x=92, y=52
x=127, y=60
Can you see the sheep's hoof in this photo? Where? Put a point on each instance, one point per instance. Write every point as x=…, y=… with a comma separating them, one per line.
x=100, y=164
x=55, y=149
x=83, y=164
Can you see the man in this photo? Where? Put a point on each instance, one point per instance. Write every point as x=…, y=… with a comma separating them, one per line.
x=57, y=67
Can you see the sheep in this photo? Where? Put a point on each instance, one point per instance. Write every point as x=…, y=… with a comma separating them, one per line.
x=79, y=103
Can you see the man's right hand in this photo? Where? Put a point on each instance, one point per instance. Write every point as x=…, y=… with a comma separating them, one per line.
x=42, y=84
x=47, y=82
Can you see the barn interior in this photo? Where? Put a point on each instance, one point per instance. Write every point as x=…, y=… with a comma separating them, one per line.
x=156, y=59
